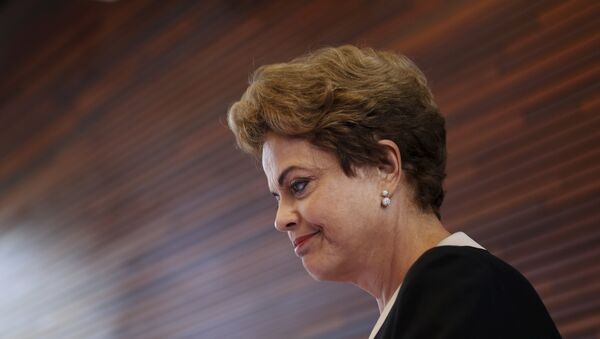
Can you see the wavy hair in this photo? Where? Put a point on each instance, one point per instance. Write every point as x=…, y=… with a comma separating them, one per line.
x=343, y=100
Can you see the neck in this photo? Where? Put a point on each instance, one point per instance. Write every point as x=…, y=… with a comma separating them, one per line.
x=412, y=236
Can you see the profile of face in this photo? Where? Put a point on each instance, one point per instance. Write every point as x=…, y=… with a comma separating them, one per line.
x=331, y=219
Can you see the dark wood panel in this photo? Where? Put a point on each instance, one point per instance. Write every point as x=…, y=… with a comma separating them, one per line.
x=127, y=212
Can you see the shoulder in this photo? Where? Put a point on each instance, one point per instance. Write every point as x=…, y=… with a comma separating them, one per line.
x=472, y=278
x=466, y=292
x=463, y=264
x=462, y=278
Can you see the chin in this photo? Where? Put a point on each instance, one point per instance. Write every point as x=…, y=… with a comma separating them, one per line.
x=321, y=272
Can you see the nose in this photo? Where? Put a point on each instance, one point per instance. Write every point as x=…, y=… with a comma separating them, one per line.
x=286, y=218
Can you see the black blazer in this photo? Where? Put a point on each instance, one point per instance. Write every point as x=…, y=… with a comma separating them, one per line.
x=466, y=292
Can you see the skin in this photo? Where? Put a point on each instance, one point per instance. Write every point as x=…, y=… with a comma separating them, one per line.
x=356, y=239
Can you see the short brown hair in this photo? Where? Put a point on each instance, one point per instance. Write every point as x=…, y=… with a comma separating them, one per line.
x=344, y=100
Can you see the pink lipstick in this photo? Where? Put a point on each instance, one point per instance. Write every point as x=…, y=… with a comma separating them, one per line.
x=301, y=241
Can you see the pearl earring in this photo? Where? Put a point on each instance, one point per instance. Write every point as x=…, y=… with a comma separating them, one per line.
x=386, y=201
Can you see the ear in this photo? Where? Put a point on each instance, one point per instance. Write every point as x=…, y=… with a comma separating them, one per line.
x=390, y=169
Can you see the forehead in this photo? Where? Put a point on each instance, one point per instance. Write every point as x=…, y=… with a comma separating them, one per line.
x=280, y=152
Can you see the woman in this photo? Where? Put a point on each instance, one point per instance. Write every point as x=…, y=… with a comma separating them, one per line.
x=353, y=147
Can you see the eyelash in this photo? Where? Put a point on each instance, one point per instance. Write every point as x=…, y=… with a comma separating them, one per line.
x=294, y=184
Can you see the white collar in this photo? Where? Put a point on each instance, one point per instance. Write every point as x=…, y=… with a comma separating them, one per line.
x=455, y=239
x=459, y=239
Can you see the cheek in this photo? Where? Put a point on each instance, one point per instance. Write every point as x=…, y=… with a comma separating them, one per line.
x=334, y=216
x=343, y=209
x=316, y=210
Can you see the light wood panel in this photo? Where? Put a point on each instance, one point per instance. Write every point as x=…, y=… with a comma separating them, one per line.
x=127, y=212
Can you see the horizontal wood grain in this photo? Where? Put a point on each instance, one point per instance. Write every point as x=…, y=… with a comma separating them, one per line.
x=126, y=210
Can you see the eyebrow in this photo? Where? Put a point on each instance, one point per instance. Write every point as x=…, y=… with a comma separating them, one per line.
x=284, y=174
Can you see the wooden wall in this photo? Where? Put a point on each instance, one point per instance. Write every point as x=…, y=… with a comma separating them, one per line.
x=127, y=212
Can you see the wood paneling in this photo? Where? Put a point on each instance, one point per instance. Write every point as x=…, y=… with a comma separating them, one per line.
x=127, y=212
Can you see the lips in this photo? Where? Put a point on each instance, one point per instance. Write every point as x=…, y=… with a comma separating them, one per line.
x=300, y=240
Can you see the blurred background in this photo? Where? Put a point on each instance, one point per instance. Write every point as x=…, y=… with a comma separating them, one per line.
x=126, y=210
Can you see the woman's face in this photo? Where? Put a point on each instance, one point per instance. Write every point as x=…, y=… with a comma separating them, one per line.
x=331, y=219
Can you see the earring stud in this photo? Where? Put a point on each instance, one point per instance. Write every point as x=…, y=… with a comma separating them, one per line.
x=386, y=201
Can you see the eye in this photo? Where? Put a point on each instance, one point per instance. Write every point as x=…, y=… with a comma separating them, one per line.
x=298, y=186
